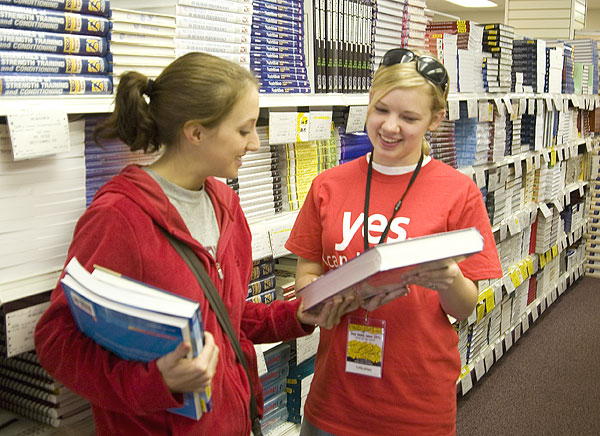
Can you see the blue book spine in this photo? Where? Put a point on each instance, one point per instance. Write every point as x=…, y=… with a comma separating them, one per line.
x=39, y=63
x=47, y=42
x=260, y=6
x=289, y=24
x=268, y=27
x=92, y=7
x=260, y=41
x=292, y=50
x=16, y=17
x=283, y=76
x=290, y=90
x=23, y=84
x=277, y=70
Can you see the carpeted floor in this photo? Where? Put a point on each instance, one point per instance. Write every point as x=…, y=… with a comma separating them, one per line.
x=548, y=383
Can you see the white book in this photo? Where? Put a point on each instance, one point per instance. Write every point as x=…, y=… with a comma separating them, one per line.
x=125, y=48
x=380, y=268
x=136, y=16
x=143, y=29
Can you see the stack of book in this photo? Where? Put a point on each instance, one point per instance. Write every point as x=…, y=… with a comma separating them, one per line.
x=298, y=385
x=141, y=41
x=414, y=24
x=498, y=43
x=303, y=163
x=465, y=133
x=58, y=49
x=586, y=53
x=568, y=69
x=496, y=198
x=554, y=62
x=592, y=246
x=443, y=143
x=546, y=231
x=463, y=331
x=352, y=145
x=344, y=34
x=102, y=163
x=469, y=51
x=515, y=136
x=528, y=68
x=28, y=390
x=472, y=139
x=274, y=390
x=498, y=143
x=389, y=32
x=443, y=43
x=490, y=71
x=478, y=337
x=259, y=180
x=277, y=47
x=25, y=387
x=220, y=29
x=41, y=200
x=261, y=288
x=285, y=276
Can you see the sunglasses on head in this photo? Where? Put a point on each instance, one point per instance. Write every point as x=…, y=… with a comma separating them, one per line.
x=427, y=66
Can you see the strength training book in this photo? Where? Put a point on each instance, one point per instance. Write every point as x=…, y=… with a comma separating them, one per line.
x=380, y=268
x=136, y=321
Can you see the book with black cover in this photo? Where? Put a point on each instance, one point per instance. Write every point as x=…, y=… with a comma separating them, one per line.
x=380, y=268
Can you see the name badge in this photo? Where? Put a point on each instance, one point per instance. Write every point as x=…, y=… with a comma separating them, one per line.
x=364, y=349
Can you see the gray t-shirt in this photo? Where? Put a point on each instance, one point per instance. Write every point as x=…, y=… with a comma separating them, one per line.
x=195, y=208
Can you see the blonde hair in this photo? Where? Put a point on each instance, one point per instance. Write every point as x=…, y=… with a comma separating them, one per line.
x=404, y=76
x=196, y=86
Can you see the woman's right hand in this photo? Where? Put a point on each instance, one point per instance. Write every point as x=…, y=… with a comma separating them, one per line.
x=189, y=375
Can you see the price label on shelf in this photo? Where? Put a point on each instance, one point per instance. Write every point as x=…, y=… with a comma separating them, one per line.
x=38, y=133
x=357, y=115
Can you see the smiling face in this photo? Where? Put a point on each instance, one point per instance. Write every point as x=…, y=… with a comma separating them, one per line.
x=397, y=123
x=224, y=145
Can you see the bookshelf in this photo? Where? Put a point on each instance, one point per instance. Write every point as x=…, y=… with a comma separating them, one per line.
x=264, y=230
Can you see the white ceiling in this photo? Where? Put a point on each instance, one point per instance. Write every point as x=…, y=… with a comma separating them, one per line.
x=452, y=9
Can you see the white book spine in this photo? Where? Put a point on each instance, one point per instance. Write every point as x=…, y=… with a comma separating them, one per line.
x=213, y=36
x=221, y=26
x=213, y=47
x=205, y=14
x=223, y=5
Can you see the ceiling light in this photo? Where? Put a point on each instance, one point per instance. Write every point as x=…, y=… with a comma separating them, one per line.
x=474, y=3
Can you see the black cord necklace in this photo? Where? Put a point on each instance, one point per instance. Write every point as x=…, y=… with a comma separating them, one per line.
x=396, y=208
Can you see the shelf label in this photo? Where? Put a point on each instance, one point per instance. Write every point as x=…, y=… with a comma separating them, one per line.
x=282, y=127
x=357, y=116
x=38, y=133
x=319, y=125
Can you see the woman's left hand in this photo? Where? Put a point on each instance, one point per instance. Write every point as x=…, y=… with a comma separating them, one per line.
x=329, y=314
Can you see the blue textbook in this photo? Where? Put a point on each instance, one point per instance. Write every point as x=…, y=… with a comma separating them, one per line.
x=135, y=321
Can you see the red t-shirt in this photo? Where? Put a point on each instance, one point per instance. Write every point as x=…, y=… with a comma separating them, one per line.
x=417, y=392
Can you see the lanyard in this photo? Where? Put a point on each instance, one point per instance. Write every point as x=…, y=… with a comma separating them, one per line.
x=396, y=208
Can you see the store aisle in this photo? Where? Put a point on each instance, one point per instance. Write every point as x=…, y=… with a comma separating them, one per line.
x=549, y=382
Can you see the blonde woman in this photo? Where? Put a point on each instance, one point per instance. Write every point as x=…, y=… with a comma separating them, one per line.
x=398, y=191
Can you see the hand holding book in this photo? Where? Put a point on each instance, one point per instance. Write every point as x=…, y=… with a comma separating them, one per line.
x=387, y=268
x=189, y=375
x=329, y=314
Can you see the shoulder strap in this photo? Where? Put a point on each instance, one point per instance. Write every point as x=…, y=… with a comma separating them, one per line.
x=217, y=305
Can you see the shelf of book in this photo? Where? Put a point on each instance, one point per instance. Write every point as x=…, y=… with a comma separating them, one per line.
x=89, y=104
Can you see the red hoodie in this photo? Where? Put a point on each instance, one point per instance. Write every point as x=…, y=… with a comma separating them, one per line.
x=120, y=231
